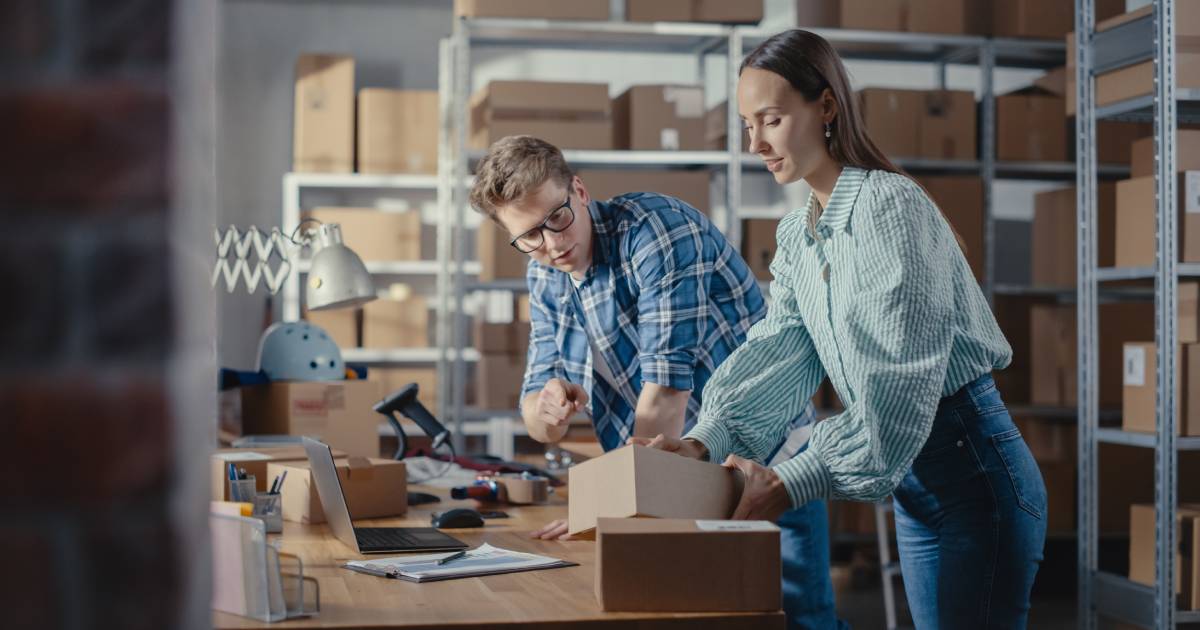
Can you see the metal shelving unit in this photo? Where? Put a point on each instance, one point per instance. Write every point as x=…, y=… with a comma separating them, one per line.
x=1150, y=37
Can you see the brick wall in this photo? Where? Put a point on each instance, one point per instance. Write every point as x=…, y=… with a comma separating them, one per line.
x=101, y=504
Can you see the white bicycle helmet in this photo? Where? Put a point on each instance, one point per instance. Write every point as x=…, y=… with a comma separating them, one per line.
x=299, y=351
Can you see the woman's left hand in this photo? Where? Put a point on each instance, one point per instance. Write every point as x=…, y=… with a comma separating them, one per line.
x=763, y=498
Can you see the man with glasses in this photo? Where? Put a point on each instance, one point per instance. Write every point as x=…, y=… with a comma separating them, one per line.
x=634, y=303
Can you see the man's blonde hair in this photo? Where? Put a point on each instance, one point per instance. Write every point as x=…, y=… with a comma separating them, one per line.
x=514, y=167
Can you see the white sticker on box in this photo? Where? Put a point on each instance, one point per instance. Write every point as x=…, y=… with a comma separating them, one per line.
x=1191, y=192
x=688, y=101
x=669, y=139
x=1135, y=366
x=243, y=457
x=736, y=526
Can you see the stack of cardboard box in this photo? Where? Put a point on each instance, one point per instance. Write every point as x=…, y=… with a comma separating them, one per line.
x=1139, y=367
x=659, y=118
x=397, y=131
x=1055, y=228
x=1135, y=203
x=721, y=11
x=1053, y=356
x=501, y=368
x=567, y=115
x=935, y=124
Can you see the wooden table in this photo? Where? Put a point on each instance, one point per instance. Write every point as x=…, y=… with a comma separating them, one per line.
x=552, y=598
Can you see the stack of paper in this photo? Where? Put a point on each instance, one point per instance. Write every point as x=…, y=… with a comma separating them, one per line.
x=484, y=560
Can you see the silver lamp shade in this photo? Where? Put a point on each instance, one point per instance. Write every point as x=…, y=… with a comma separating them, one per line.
x=338, y=278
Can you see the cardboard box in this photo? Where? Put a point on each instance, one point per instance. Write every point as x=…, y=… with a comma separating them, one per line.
x=497, y=258
x=396, y=323
x=1135, y=220
x=255, y=462
x=341, y=324
x=502, y=338
x=375, y=235
x=340, y=413
x=1139, y=370
x=1053, y=240
x=374, y=488
x=1033, y=18
x=1187, y=153
x=391, y=379
x=691, y=187
x=323, y=122
x=523, y=308
x=947, y=125
x=397, y=131
x=1143, y=545
x=659, y=118
x=1050, y=441
x=498, y=381
x=720, y=11
x=960, y=199
x=716, y=133
x=639, y=481
x=893, y=118
x=547, y=9
x=877, y=15
x=1054, y=359
x=567, y=115
x=641, y=564
x=1031, y=125
x=1061, y=491
x=758, y=245
x=1187, y=327
x=1115, y=142
x=1012, y=314
x=952, y=17
x=1054, y=81
x=1138, y=80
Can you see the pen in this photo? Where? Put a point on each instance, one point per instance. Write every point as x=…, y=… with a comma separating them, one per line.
x=232, y=472
x=282, y=478
x=274, y=485
x=453, y=556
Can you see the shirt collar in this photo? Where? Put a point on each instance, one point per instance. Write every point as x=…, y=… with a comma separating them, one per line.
x=836, y=215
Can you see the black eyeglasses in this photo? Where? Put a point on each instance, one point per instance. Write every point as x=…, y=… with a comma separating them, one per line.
x=558, y=220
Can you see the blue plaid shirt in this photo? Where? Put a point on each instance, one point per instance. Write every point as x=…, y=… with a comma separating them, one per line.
x=666, y=300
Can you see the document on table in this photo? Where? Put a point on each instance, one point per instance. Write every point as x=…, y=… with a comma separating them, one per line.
x=483, y=560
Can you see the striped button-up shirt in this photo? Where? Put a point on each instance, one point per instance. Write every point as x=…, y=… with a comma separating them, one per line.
x=665, y=301
x=880, y=299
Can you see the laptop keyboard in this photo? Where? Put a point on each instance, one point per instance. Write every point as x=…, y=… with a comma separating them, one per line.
x=384, y=538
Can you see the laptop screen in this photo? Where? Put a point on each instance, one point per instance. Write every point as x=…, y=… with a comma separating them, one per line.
x=329, y=490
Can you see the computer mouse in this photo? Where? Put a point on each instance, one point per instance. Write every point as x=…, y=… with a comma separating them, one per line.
x=458, y=518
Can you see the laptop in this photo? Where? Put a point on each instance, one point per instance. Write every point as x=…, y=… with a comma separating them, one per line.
x=366, y=540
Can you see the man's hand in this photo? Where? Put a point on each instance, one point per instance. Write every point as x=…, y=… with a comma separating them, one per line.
x=555, y=530
x=558, y=401
x=764, y=498
x=685, y=447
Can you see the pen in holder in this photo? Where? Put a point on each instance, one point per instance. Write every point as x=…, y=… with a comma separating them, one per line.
x=269, y=507
x=243, y=490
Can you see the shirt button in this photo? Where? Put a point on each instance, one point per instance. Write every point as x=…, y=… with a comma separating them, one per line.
x=960, y=443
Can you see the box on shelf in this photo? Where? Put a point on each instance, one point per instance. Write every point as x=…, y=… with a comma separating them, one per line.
x=1139, y=371
x=502, y=338
x=720, y=11
x=659, y=118
x=374, y=488
x=758, y=245
x=498, y=381
x=340, y=413
x=1135, y=220
x=716, y=131
x=497, y=258
x=340, y=324
x=893, y=118
x=255, y=462
x=947, y=125
x=641, y=563
x=689, y=186
x=1031, y=125
x=323, y=122
x=1055, y=229
x=640, y=481
x=950, y=17
x=1012, y=314
x=391, y=379
x=1053, y=356
x=375, y=235
x=546, y=9
x=873, y=15
x=397, y=131
x=1049, y=440
x=523, y=308
x=1143, y=545
x=1187, y=153
x=567, y=115
x=960, y=199
x=1033, y=18
x=389, y=323
x=1060, y=479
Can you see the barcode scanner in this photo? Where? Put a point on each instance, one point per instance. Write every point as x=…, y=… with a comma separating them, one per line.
x=405, y=401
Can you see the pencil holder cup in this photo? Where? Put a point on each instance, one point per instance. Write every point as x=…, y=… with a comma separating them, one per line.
x=269, y=507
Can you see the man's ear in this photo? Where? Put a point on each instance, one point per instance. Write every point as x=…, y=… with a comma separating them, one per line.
x=580, y=190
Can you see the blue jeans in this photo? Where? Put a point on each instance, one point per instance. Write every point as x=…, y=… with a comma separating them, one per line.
x=807, y=590
x=971, y=517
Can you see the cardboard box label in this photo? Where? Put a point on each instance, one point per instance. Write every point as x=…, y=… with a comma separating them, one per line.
x=735, y=526
x=1191, y=190
x=668, y=139
x=1135, y=366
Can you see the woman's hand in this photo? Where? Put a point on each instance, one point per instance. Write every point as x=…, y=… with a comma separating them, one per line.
x=554, y=530
x=686, y=447
x=763, y=498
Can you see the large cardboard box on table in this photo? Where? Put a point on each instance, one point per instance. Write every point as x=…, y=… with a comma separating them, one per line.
x=1143, y=544
x=960, y=199
x=389, y=323
x=323, y=121
x=498, y=380
x=1031, y=125
x=758, y=245
x=1055, y=229
x=341, y=324
x=1135, y=220
x=677, y=565
x=567, y=115
x=1053, y=343
x=497, y=258
x=547, y=9
x=947, y=125
x=374, y=488
x=375, y=235
x=721, y=11
x=339, y=413
x=255, y=461
x=397, y=131
x=639, y=481
x=1187, y=153
x=893, y=118
x=1139, y=372
x=689, y=186
x=659, y=118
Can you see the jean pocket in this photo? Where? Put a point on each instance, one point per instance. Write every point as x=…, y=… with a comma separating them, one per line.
x=1022, y=471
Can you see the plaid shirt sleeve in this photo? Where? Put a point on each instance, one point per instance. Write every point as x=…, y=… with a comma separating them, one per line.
x=543, y=362
x=670, y=267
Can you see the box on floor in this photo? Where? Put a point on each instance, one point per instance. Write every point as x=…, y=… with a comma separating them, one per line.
x=639, y=481
x=691, y=187
x=374, y=488
x=323, y=117
x=659, y=118
x=546, y=9
x=641, y=564
x=373, y=234
x=567, y=115
x=1136, y=232
x=1139, y=392
x=1055, y=229
x=397, y=131
x=255, y=462
x=389, y=323
x=340, y=413
x=720, y=11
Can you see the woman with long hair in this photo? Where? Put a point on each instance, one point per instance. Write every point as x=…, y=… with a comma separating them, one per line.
x=871, y=289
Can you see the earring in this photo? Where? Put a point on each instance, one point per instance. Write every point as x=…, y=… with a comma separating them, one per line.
x=828, y=133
